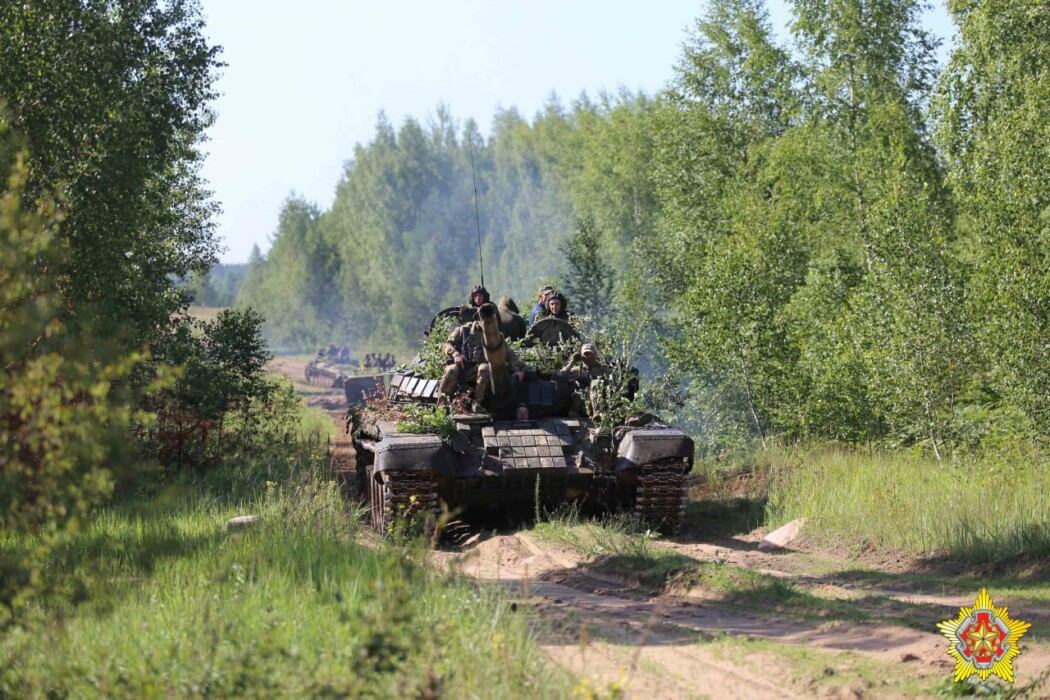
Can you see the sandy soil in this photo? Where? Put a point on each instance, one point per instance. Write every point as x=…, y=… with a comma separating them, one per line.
x=607, y=628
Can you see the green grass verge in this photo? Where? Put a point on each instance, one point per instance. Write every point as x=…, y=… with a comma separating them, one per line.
x=616, y=542
x=171, y=605
x=980, y=510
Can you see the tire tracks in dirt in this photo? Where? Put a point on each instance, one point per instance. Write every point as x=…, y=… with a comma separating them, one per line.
x=605, y=628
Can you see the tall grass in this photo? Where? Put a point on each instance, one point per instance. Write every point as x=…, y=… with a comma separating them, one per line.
x=981, y=509
x=176, y=606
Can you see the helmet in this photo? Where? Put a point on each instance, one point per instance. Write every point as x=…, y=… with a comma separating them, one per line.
x=560, y=297
x=478, y=288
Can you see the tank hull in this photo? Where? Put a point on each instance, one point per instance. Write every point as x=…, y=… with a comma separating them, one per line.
x=491, y=464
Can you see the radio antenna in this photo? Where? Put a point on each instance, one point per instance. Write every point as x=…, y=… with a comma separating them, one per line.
x=477, y=216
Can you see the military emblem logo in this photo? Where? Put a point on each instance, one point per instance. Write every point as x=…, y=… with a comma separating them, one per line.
x=983, y=640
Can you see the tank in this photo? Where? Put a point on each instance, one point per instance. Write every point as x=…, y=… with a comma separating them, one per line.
x=320, y=372
x=483, y=457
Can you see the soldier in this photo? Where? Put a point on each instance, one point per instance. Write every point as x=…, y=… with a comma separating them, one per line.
x=478, y=296
x=465, y=348
x=555, y=307
x=540, y=305
x=583, y=367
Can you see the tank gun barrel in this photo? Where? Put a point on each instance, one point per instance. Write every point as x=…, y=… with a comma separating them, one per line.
x=495, y=351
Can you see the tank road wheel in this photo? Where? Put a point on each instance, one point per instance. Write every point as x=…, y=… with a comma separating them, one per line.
x=661, y=496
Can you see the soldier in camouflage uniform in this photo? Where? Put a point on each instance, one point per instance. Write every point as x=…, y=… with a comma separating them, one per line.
x=465, y=347
x=586, y=370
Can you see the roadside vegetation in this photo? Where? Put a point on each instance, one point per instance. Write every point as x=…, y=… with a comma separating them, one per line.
x=980, y=510
x=165, y=602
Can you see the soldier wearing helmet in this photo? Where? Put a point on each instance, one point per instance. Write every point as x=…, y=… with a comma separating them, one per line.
x=539, y=307
x=478, y=296
x=554, y=307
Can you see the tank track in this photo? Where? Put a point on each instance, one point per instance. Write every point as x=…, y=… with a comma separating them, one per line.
x=661, y=496
x=404, y=494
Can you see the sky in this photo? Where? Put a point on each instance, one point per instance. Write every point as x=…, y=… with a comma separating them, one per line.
x=305, y=81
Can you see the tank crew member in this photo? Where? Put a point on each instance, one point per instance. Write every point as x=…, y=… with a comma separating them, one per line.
x=555, y=307
x=478, y=296
x=465, y=348
x=540, y=305
x=583, y=367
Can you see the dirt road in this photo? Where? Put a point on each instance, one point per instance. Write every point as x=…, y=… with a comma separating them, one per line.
x=796, y=624
x=848, y=638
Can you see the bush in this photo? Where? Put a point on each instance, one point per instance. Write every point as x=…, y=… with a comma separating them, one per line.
x=63, y=412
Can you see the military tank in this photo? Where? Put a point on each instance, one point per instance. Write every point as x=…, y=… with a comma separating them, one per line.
x=489, y=459
x=320, y=372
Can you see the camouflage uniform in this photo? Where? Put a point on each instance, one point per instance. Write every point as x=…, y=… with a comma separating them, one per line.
x=581, y=369
x=468, y=340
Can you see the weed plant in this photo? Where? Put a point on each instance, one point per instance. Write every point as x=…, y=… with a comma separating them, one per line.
x=984, y=509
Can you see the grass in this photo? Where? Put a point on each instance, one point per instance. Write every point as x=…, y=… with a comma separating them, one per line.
x=616, y=542
x=172, y=605
x=981, y=510
x=619, y=544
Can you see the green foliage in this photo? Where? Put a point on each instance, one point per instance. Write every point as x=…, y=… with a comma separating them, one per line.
x=294, y=287
x=219, y=287
x=903, y=501
x=589, y=282
x=222, y=396
x=63, y=415
x=292, y=607
x=420, y=418
x=544, y=359
x=609, y=179
x=432, y=357
x=112, y=102
x=991, y=108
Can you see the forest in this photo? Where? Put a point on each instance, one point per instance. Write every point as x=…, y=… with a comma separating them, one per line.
x=833, y=237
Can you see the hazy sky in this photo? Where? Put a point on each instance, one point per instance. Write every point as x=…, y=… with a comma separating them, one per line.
x=306, y=80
